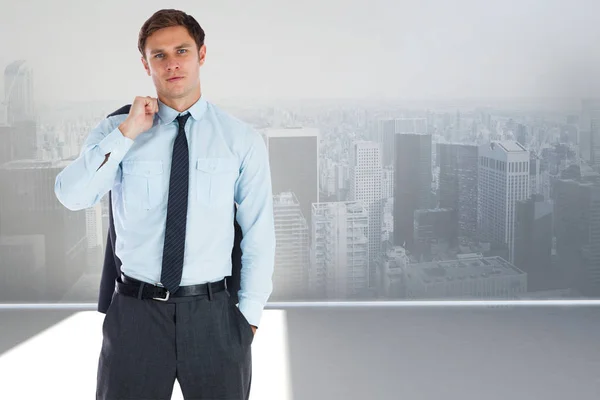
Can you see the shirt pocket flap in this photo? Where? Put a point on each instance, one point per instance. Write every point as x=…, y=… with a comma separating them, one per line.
x=217, y=165
x=142, y=168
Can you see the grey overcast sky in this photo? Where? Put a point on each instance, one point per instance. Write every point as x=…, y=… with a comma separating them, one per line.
x=87, y=49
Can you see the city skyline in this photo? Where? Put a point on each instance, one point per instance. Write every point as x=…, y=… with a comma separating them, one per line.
x=435, y=173
x=351, y=129
x=368, y=192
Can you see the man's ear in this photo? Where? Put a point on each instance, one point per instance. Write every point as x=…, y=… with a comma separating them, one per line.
x=202, y=54
x=145, y=64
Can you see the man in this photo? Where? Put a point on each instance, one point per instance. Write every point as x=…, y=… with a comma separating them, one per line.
x=175, y=166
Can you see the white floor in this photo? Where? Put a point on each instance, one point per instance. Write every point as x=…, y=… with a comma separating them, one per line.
x=60, y=363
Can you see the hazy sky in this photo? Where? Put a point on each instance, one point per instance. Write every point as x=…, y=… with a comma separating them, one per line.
x=87, y=50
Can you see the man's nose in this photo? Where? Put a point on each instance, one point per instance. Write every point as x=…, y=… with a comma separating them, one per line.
x=172, y=66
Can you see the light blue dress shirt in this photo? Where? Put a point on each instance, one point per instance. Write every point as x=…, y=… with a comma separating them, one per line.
x=228, y=162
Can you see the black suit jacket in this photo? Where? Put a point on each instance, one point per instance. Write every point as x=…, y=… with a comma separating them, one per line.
x=112, y=265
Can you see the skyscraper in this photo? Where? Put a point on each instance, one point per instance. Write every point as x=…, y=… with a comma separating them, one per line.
x=290, y=278
x=29, y=209
x=435, y=231
x=387, y=129
x=577, y=216
x=590, y=109
x=18, y=92
x=365, y=186
x=18, y=130
x=339, y=250
x=294, y=161
x=503, y=181
x=412, y=187
x=595, y=140
x=535, y=174
x=458, y=183
x=387, y=183
x=533, y=242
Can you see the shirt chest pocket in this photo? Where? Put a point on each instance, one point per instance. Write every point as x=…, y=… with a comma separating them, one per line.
x=142, y=184
x=215, y=180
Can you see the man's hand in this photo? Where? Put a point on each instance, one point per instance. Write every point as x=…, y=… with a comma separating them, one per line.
x=254, y=328
x=140, y=118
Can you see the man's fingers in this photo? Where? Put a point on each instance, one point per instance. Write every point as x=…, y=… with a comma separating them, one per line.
x=153, y=103
x=150, y=104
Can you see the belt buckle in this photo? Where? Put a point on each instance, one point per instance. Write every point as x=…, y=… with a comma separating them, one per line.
x=162, y=298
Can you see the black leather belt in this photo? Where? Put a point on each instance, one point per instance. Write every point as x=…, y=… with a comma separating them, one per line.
x=142, y=290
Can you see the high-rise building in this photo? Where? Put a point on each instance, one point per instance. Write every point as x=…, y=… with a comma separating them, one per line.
x=436, y=231
x=577, y=226
x=18, y=142
x=521, y=133
x=18, y=92
x=590, y=109
x=458, y=183
x=29, y=209
x=294, y=162
x=93, y=226
x=387, y=129
x=535, y=174
x=365, y=186
x=465, y=278
x=387, y=221
x=18, y=128
x=339, y=251
x=415, y=126
x=533, y=242
x=392, y=272
x=327, y=177
x=595, y=140
x=290, y=278
x=23, y=265
x=412, y=186
x=503, y=181
x=387, y=183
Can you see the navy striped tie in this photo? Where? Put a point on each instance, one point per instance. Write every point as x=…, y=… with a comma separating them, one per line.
x=172, y=264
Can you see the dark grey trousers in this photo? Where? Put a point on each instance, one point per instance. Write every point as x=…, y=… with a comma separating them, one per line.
x=147, y=344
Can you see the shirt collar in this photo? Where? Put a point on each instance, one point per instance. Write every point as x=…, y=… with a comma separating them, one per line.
x=168, y=114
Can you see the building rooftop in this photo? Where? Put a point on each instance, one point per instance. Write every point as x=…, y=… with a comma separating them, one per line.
x=510, y=146
x=432, y=210
x=292, y=132
x=464, y=269
x=14, y=67
x=352, y=207
x=285, y=198
x=455, y=143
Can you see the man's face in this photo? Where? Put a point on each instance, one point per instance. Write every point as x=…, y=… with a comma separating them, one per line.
x=172, y=52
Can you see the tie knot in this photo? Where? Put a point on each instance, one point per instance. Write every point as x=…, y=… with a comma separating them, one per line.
x=182, y=118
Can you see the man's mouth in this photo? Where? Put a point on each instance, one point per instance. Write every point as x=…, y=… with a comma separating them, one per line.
x=175, y=79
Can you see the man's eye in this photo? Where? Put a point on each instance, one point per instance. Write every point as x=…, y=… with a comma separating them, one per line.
x=183, y=49
x=157, y=55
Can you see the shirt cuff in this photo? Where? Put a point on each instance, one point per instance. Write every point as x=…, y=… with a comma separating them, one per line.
x=116, y=144
x=252, y=310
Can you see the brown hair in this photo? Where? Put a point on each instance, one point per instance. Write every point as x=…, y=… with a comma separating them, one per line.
x=165, y=19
